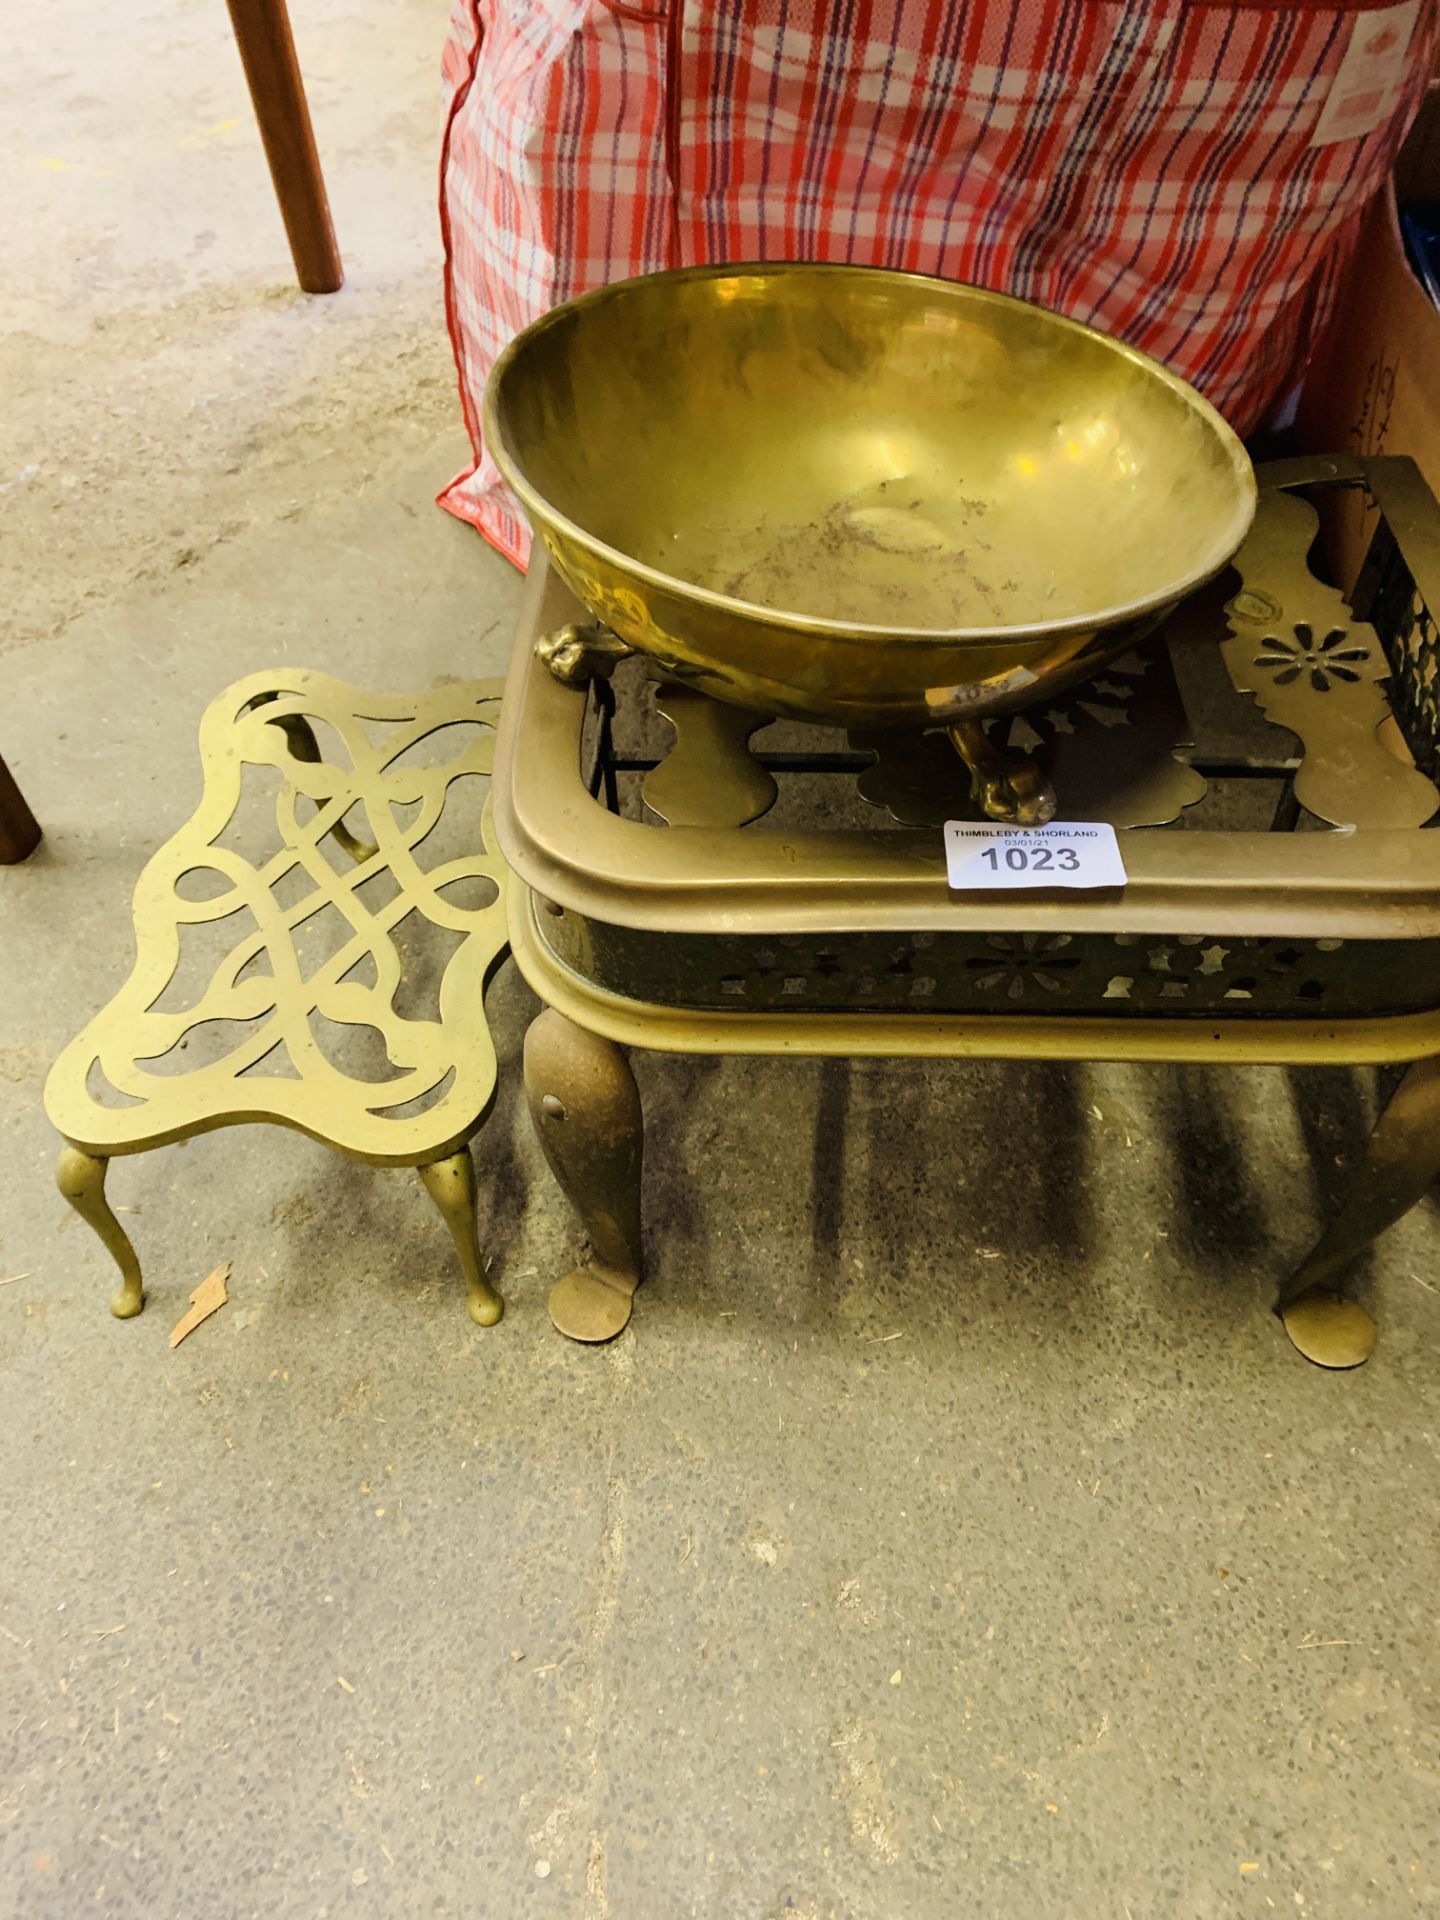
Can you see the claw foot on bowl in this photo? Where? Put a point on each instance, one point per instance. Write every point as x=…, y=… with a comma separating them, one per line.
x=1006, y=786
x=577, y=654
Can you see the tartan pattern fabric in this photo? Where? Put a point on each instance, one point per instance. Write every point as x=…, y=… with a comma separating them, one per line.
x=1145, y=168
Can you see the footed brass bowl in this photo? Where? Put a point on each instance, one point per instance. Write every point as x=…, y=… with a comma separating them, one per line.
x=860, y=496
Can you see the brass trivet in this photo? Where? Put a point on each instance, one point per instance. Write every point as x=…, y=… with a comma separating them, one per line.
x=349, y=827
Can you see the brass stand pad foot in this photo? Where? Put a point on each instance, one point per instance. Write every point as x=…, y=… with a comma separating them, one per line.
x=1401, y=1161
x=1329, y=1329
x=592, y=1306
x=586, y=1110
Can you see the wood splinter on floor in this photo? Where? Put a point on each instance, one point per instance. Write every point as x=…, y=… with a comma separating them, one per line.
x=208, y=1298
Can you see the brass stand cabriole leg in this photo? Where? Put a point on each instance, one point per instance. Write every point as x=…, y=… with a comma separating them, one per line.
x=586, y=1109
x=81, y=1178
x=1401, y=1161
x=451, y=1185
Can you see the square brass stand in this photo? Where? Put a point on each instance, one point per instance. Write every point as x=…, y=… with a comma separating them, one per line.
x=694, y=880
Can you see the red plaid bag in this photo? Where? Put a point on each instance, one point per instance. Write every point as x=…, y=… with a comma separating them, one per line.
x=1151, y=169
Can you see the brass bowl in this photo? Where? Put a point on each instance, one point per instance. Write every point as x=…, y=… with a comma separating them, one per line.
x=860, y=496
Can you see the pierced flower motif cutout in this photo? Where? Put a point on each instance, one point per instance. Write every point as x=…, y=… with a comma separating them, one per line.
x=1016, y=961
x=1325, y=660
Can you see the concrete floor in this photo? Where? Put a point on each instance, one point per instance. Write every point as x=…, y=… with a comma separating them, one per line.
x=953, y=1532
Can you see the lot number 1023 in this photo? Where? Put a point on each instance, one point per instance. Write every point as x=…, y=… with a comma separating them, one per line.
x=1033, y=859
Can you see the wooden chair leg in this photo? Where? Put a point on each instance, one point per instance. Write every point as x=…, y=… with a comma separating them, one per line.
x=19, y=829
x=267, y=52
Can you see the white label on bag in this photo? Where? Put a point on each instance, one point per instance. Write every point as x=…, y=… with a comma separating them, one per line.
x=1366, y=91
x=1083, y=853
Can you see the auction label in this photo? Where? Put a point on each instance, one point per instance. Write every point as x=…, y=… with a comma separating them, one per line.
x=1076, y=853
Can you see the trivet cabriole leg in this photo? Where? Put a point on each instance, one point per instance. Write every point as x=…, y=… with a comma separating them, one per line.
x=450, y=1183
x=586, y=1110
x=81, y=1179
x=1401, y=1161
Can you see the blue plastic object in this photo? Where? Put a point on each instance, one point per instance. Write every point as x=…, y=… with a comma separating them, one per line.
x=1420, y=228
